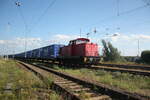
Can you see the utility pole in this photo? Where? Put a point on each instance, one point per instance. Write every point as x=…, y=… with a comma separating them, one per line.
x=138, y=47
x=95, y=31
x=80, y=32
x=8, y=30
x=87, y=35
x=18, y=4
x=118, y=12
x=13, y=54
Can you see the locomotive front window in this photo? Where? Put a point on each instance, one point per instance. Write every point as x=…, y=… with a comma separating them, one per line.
x=81, y=41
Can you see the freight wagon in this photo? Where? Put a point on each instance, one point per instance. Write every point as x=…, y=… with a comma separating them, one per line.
x=50, y=52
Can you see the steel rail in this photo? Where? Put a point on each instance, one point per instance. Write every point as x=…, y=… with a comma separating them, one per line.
x=112, y=92
x=57, y=85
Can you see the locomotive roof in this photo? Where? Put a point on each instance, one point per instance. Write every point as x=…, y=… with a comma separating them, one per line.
x=83, y=39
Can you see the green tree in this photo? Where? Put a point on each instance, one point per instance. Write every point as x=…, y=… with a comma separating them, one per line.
x=145, y=56
x=111, y=53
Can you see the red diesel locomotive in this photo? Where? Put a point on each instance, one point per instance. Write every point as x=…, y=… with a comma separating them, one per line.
x=79, y=51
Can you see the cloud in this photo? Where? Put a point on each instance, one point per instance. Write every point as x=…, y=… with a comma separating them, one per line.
x=19, y=41
x=63, y=38
x=2, y=41
x=141, y=36
x=18, y=44
x=128, y=44
x=30, y=41
x=131, y=37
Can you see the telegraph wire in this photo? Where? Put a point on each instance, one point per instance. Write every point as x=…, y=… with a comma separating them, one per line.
x=123, y=13
x=18, y=4
x=120, y=14
x=147, y=2
x=118, y=8
x=38, y=20
x=41, y=16
x=135, y=9
x=23, y=18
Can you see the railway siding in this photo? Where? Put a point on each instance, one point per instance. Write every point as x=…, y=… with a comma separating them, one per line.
x=113, y=68
x=140, y=67
x=122, y=69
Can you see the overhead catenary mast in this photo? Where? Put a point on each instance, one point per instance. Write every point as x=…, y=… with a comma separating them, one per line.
x=138, y=48
x=87, y=35
x=6, y=47
x=18, y=4
x=80, y=32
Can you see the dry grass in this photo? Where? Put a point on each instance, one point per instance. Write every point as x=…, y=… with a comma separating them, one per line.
x=132, y=83
x=127, y=63
x=25, y=85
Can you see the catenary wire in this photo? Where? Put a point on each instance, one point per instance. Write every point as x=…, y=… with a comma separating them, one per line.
x=120, y=14
x=41, y=16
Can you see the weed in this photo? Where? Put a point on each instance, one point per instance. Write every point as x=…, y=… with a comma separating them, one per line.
x=126, y=81
x=83, y=95
x=54, y=96
x=24, y=84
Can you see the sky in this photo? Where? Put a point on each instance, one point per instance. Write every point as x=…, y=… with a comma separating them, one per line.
x=44, y=22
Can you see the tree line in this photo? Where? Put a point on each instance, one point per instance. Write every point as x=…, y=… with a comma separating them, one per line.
x=112, y=54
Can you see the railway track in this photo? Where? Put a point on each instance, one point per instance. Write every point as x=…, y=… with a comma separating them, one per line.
x=138, y=67
x=122, y=69
x=145, y=70
x=69, y=88
x=109, y=67
x=79, y=88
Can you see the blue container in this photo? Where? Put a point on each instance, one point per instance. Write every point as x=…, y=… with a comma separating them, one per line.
x=20, y=55
x=50, y=52
x=35, y=53
x=28, y=54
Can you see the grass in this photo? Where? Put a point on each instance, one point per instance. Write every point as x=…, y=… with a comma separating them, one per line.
x=132, y=83
x=126, y=63
x=83, y=95
x=25, y=85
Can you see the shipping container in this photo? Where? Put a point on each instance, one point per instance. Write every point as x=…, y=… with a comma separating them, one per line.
x=50, y=52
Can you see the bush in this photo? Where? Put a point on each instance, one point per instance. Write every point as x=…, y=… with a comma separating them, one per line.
x=145, y=56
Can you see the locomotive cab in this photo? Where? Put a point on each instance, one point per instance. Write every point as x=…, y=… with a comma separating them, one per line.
x=79, y=41
x=80, y=50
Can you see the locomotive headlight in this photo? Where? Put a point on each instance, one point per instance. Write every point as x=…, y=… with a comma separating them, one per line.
x=85, y=59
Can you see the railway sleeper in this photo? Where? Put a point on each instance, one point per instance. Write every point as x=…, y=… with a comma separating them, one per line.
x=114, y=93
x=67, y=88
x=79, y=90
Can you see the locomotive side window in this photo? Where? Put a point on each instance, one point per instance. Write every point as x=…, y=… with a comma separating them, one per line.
x=73, y=42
